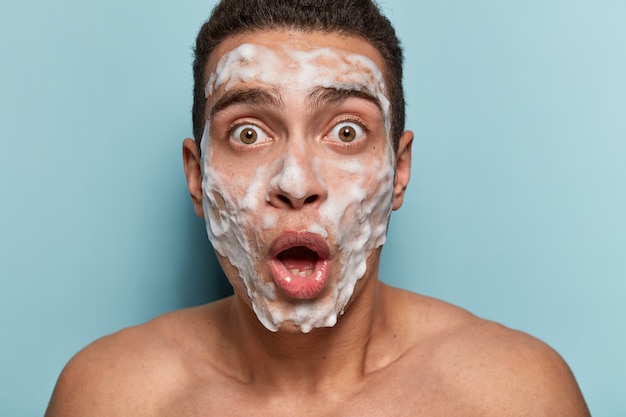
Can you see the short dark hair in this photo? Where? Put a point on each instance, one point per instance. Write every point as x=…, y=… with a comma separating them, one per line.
x=360, y=18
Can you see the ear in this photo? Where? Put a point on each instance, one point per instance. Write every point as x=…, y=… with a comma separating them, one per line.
x=193, y=172
x=403, y=168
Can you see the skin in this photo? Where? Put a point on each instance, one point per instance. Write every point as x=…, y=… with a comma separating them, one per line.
x=392, y=353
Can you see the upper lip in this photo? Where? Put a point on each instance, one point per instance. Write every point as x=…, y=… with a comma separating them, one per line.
x=292, y=239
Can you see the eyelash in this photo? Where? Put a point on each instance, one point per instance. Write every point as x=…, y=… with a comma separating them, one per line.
x=231, y=133
x=349, y=119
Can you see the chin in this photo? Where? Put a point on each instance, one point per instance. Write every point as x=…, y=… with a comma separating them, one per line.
x=289, y=327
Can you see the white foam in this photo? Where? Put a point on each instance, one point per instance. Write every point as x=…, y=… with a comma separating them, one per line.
x=269, y=221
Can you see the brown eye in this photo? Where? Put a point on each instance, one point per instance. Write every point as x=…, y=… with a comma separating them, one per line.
x=347, y=132
x=248, y=136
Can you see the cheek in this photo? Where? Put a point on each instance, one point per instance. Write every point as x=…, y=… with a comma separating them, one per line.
x=360, y=199
x=234, y=202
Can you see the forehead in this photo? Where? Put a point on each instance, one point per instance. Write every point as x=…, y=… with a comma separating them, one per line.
x=281, y=52
x=296, y=61
x=281, y=40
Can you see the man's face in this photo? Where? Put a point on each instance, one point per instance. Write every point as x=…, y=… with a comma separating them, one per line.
x=297, y=171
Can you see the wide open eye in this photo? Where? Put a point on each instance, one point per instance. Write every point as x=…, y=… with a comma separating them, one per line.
x=346, y=132
x=248, y=134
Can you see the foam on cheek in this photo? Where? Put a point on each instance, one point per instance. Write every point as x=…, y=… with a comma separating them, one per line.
x=351, y=166
x=230, y=212
x=318, y=229
x=358, y=219
x=269, y=222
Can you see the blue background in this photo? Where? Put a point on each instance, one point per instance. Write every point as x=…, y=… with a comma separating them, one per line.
x=516, y=208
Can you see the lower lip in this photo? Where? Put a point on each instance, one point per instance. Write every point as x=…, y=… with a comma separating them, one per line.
x=300, y=288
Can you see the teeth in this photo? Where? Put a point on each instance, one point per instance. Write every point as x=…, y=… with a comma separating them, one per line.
x=298, y=273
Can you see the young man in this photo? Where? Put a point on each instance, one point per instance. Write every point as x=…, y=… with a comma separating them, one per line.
x=299, y=158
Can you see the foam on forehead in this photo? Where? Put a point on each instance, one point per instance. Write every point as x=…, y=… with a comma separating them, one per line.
x=304, y=71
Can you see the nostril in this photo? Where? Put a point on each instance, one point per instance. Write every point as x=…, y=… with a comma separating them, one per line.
x=311, y=199
x=296, y=202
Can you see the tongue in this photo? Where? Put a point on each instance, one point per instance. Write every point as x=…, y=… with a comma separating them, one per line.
x=299, y=260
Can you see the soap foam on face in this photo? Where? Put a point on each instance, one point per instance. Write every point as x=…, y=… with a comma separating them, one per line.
x=356, y=212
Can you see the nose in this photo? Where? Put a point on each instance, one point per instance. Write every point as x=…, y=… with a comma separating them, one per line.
x=297, y=183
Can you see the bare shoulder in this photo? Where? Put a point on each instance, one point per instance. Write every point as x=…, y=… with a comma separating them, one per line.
x=515, y=371
x=499, y=370
x=134, y=371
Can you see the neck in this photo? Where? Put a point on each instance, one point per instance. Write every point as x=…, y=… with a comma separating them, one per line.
x=311, y=361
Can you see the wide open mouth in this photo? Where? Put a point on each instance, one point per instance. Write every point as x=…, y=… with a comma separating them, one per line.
x=299, y=263
x=299, y=260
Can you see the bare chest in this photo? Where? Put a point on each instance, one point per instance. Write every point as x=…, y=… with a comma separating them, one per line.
x=398, y=396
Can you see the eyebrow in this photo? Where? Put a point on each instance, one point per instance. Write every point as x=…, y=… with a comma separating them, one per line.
x=248, y=96
x=323, y=96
